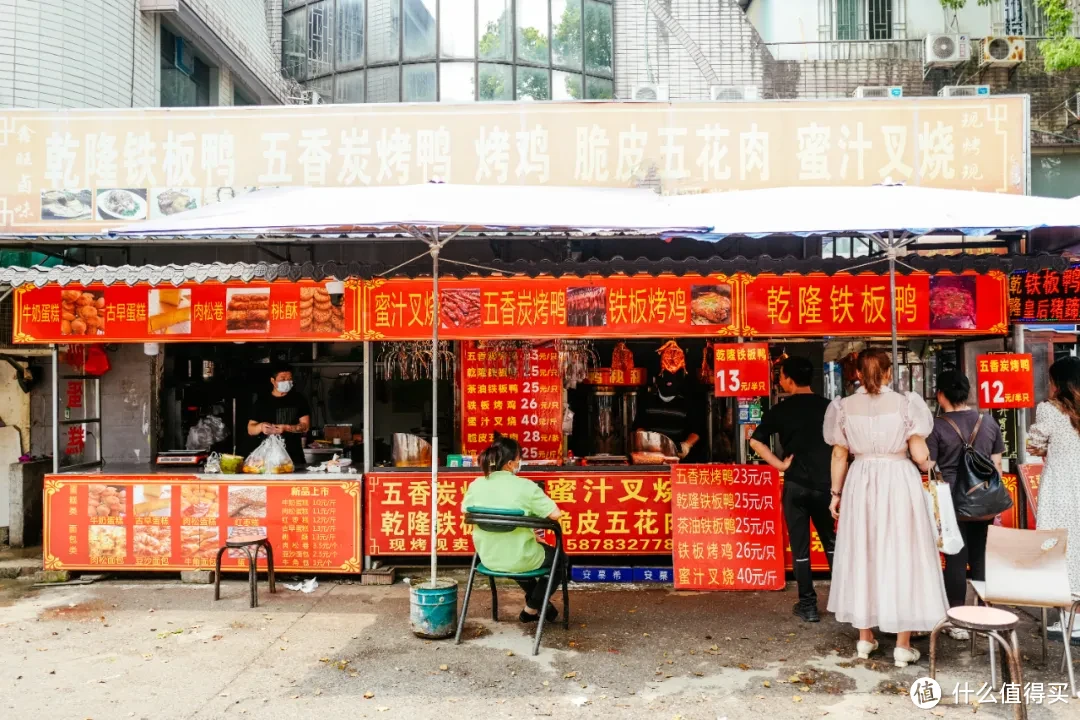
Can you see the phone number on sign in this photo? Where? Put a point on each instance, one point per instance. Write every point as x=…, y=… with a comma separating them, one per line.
x=618, y=544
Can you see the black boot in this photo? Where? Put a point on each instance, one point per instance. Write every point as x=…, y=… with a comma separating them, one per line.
x=806, y=613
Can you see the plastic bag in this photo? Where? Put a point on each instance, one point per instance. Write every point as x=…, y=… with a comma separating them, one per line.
x=205, y=433
x=213, y=463
x=97, y=362
x=939, y=507
x=270, y=458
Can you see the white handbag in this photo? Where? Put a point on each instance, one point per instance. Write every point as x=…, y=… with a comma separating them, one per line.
x=939, y=506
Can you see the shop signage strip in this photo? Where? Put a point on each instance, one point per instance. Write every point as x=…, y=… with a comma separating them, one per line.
x=301, y=311
x=1045, y=296
x=178, y=522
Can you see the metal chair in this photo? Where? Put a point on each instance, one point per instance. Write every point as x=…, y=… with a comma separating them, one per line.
x=250, y=544
x=505, y=521
x=1027, y=568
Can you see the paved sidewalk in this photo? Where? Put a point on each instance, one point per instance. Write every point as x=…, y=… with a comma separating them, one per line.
x=165, y=650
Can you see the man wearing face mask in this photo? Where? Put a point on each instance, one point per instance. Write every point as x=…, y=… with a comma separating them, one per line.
x=283, y=412
x=667, y=410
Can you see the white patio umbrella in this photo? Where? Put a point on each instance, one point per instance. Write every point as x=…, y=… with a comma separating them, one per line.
x=434, y=213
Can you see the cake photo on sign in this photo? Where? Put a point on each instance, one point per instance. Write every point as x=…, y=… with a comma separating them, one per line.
x=317, y=312
x=247, y=310
x=710, y=304
x=170, y=311
x=952, y=303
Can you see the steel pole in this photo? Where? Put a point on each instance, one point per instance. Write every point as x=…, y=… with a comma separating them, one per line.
x=55, y=409
x=892, y=312
x=1022, y=414
x=434, y=406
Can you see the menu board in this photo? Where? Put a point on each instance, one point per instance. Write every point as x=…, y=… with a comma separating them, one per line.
x=178, y=522
x=858, y=305
x=191, y=312
x=742, y=370
x=1004, y=380
x=728, y=527
x=529, y=308
x=515, y=392
x=617, y=513
x=1031, y=475
x=1045, y=296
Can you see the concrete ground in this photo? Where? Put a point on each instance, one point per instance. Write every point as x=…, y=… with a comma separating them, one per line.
x=153, y=649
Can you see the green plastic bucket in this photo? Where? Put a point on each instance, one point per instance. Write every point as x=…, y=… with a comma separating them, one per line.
x=433, y=609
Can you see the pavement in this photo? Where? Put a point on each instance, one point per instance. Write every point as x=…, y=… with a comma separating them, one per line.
x=153, y=649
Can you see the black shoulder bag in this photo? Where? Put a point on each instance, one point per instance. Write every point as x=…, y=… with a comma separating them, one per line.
x=979, y=493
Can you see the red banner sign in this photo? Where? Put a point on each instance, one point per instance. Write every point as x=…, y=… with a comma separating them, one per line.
x=616, y=377
x=1004, y=381
x=742, y=370
x=178, y=522
x=1031, y=475
x=519, y=396
x=550, y=308
x=858, y=305
x=193, y=312
x=618, y=513
x=728, y=527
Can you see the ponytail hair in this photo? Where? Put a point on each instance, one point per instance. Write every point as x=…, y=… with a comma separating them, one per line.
x=874, y=366
x=500, y=453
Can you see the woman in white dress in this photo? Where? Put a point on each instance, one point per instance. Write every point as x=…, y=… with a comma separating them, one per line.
x=886, y=569
x=1056, y=437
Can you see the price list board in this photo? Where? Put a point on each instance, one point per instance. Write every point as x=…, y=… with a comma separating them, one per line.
x=727, y=531
x=178, y=522
x=517, y=393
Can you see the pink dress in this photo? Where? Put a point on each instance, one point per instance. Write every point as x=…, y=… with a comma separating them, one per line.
x=886, y=569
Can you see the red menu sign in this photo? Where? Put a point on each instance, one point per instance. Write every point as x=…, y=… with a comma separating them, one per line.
x=1004, y=381
x=193, y=312
x=1031, y=475
x=550, y=307
x=515, y=392
x=742, y=370
x=728, y=527
x=178, y=522
x=618, y=513
x=857, y=305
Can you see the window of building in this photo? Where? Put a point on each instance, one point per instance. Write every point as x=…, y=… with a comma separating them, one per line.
x=185, y=79
x=862, y=19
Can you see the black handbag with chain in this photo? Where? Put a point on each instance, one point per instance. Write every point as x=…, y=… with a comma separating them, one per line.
x=979, y=493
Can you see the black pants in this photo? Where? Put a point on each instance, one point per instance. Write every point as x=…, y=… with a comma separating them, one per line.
x=801, y=507
x=973, y=554
x=536, y=587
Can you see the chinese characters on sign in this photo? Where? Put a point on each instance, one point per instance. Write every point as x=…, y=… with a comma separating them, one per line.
x=742, y=370
x=1004, y=381
x=178, y=522
x=1045, y=296
x=727, y=527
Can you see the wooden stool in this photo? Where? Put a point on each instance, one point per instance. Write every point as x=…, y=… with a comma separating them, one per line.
x=995, y=624
x=251, y=545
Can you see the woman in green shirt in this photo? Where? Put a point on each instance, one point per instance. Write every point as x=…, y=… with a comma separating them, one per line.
x=517, y=551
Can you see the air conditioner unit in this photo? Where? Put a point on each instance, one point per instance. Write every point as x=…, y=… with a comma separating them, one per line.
x=878, y=91
x=315, y=98
x=651, y=92
x=946, y=50
x=1003, y=51
x=952, y=91
x=733, y=93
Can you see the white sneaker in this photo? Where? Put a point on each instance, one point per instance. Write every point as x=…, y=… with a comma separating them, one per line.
x=1056, y=629
x=902, y=657
x=864, y=649
x=958, y=633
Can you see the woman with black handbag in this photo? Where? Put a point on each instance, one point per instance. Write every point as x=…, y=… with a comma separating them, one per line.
x=1055, y=436
x=958, y=428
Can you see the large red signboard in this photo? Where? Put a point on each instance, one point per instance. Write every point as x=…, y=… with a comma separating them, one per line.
x=550, y=307
x=178, y=522
x=617, y=513
x=728, y=527
x=1045, y=296
x=515, y=392
x=742, y=370
x=856, y=305
x=193, y=312
x=1004, y=381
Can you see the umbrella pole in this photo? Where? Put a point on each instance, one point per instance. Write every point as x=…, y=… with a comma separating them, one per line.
x=434, y=245
x=892, y=311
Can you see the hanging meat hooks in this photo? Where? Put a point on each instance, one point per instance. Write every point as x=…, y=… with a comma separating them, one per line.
x=576, y=359
x=413, y=361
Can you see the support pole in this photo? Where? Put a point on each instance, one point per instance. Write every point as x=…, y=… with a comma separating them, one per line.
x=55, y=409
x=434, y=405
x=892, y=311
x=367, y=373
x=1022, y=414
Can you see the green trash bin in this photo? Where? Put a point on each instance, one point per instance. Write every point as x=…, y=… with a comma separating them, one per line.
x=433, y=609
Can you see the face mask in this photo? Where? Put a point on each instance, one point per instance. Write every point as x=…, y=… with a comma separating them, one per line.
x=284, y=386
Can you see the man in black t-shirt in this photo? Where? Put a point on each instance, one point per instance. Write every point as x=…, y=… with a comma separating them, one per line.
x=283, y=412
x=799, y=421
x=667, y=410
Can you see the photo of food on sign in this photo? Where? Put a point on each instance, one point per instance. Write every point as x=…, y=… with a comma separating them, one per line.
x=460, y=308
x=199, y=542
x=317, y=312
x=109, y=541
x=81, y=312
x=153, y=500
x=710, y=304
x=122, y=204
x=247, y=501
x=170, y=311
x=169, y=201
x=199, y=501
x=65, y=205
x=152, y=540
x=106, y=500
x=247, y=310
x=952, y=302
x=586, y=306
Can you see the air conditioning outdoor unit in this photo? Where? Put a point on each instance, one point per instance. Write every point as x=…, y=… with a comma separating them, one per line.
x=882, y=91
x=1003, y=51
x=733, y=93
x=315, y=98
x=952, y=91
x=947, y=50
x=650, y=91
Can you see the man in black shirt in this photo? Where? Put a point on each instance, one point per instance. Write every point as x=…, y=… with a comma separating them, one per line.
x=799, y=421
x=668, y=411
x=283, y=412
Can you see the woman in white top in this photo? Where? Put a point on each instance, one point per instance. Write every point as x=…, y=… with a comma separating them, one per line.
x=886, y=569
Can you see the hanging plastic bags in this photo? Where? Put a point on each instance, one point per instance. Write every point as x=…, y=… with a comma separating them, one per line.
x=270, y=458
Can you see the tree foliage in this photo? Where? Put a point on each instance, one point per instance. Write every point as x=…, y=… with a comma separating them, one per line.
x=1060, y=49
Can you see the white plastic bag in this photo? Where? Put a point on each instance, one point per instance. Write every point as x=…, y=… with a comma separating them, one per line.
x=270, y=458
x=939, y=507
